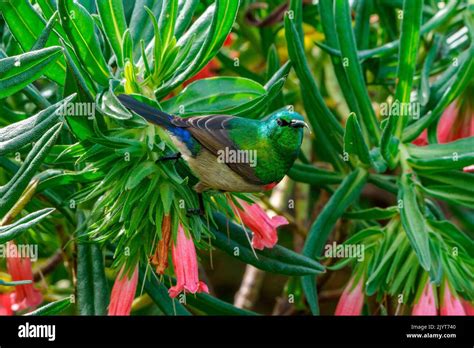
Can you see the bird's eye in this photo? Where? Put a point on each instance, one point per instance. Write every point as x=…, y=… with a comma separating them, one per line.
x=281, y=122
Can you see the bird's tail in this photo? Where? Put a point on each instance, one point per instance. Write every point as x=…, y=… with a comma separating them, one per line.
x=148, y=112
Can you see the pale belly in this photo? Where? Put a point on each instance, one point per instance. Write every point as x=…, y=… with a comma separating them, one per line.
x=214, y=175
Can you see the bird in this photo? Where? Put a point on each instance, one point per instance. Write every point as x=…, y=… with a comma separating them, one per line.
x=230, y=153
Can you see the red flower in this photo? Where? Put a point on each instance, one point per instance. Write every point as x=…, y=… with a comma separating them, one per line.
x=451, y=304
x=24, y=296
x=452, y=126
x=352, y=300
x=185, y=266
x=426, y=305
x=209, y=70
x=264, y=229
x=469, y=169
x=468, y=307
x=5, y=305
x=123, y=293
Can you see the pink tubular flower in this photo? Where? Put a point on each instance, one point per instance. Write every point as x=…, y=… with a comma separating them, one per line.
x=468, y=307
x=24, y=296
x=426, y=305
x=352, y=300
x=123, y=293
x=454, y=124
x=264, y=229
x=469, y=169
x=5, y=305
x=451, y=305
x=457, y=122
x=185, y=266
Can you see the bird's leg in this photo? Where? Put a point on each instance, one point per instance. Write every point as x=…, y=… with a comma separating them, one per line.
x=174, y=156
x=198, y=211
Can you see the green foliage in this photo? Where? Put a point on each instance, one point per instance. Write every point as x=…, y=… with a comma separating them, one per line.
x=101, y=174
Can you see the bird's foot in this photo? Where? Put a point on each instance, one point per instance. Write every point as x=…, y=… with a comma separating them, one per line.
x=198, y=211
x=195, y=211
x=175, y=156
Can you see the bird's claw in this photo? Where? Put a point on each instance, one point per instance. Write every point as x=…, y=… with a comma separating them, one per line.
x=175, y=156
x=195, y=211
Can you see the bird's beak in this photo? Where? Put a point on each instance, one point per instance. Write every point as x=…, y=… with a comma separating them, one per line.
x=298, y=124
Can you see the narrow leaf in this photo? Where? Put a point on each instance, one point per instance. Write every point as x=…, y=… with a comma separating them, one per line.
x=413, y=221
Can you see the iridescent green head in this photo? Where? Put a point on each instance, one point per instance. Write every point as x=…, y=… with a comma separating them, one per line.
x=285, y=128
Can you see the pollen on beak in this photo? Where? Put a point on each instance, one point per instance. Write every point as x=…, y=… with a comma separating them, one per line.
x=298, y=124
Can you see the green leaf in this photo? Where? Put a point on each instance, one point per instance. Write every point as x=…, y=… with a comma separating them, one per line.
x=110, y=105
x=450, y=232
x=139, y=173
x=440, y=17
x=362, y=23
x=409, y=43
x=16, y=135
x=186, y=10
x=19, y=71
x=344, y=196
x=424, y=90
x=61, y=178
x=365, y=235
x=452, y=178
x=141, y=28
x=229, y=64
x=26, y=26
x=10, y=192
x=53, y=308
x=311, y=175
x=459, y=81
x=381, y=268
x=254, y=108
x=211, y=305
x=204, y=303
x=92, y=289
x=210, y=31
x=46, y=8
x=214, y=95
x=354, y=70
x=410, y=38
x=372, y=214
x=80, y=28
x=229, y=236
x=113, y=20
x=167, y=22
x=354, y=140
x=326, y=127
x=329, y=27
x=413, y=221
x=43, y=38
x=440, y=157
x=157, y=46
x=17, y=228
x=273, y=87
x=79, y=81
x=159, y=294
x=448, y=193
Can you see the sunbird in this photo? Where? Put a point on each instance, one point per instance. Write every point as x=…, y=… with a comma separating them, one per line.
x=230, y=153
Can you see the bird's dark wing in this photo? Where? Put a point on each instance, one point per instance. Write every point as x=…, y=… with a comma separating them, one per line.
x=212, y=133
